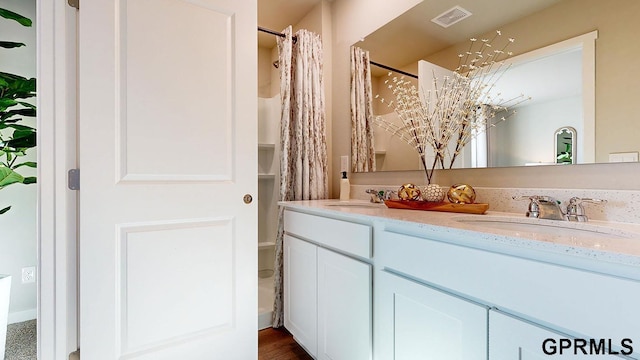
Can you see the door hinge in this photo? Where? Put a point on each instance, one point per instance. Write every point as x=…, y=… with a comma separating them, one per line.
x=75, y=355
x=73, y=179
x=74, y=3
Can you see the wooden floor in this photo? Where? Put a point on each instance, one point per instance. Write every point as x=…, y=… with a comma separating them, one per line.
x=278, y=344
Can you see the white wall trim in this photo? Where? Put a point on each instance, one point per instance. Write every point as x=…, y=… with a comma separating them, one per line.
x=24, y=315
x=57, y=299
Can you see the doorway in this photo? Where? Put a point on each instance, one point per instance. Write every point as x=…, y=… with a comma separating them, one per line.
x=18, y=200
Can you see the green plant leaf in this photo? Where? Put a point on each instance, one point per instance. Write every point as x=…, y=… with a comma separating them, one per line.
x=10, y=44
x=2, y=211
x=31, y=164
x=7, y=103
x=16, y=127
x=24, y=141
x=8, y=177
x=29, y=180
x=24, y=21
x=18, y=112
x=26, y=104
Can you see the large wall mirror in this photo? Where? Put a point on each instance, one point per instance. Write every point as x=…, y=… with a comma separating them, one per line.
x=591, y=90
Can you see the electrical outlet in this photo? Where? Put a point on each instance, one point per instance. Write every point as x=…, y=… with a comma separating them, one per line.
x=344, y=163
x=28, y=274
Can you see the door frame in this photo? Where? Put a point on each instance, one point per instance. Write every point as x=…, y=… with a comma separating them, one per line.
x=57, y=206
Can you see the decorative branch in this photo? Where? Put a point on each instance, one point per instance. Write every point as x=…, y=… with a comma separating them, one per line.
x=457, y=108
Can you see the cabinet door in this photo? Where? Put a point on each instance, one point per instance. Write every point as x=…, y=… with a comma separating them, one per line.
x=414, y=321
x=300, y=294
x=512, y=338
x=344, y=307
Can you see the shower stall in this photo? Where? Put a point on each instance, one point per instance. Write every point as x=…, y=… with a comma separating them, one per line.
x=268, y=190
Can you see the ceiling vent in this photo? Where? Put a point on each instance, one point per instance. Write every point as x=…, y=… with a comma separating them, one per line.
x=451, y=16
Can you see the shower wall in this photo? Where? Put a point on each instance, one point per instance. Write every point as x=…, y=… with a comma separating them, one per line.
x=268, y=178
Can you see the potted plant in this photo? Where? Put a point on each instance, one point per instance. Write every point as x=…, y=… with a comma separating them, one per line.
x=16, y=138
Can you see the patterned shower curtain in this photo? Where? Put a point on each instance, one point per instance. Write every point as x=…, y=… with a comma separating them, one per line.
x=303, y=146
x=362, y=150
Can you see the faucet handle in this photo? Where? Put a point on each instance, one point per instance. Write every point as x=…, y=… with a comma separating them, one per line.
x=536, y=201
x=534, y=207
x=575, y=210
x=542, y=198
x=578, y=200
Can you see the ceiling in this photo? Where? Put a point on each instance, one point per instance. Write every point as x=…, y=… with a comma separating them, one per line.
x=278, y=14
x=413, y=35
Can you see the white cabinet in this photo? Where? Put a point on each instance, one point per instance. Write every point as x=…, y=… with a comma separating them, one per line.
x=432, y=292
x=344, y=307
x=513, y=338
x=300, y=291
x=327, y=290
x=415, y=321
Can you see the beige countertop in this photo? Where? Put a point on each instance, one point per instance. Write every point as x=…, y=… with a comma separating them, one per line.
x=603, y=242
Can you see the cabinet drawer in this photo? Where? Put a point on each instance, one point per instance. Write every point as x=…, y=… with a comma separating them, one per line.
x=583, y=302
x=340, y=235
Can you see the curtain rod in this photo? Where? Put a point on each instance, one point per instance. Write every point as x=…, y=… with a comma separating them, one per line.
x=272, y=32
x=392, y=69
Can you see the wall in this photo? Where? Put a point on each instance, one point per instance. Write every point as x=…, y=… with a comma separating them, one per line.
x=18, y=239
x=264, y=72
x=351, y=20
x=614, y=101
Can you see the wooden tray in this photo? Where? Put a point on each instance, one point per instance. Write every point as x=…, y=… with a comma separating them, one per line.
x=437, y=206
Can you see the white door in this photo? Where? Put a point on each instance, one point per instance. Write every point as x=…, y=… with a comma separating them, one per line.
x=168, y=253
x=415, y=321
x=344, y=307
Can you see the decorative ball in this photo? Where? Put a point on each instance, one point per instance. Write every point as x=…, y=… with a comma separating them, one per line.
x=409, y=192
x=433, y=193
x=461, y=194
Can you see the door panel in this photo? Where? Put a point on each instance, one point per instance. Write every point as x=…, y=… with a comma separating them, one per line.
x=344, y=307
x=513, y=338
x=168, y=255
x=157, y=262
x=300, y=292
x=415, y=321
x=166, y=79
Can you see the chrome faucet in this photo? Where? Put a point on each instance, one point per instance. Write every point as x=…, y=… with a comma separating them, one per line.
x=546, y=207
x=543, y=207
x=575, y=210
x=379, y=196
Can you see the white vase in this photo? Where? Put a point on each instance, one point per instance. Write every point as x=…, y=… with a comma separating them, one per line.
x=5, y=291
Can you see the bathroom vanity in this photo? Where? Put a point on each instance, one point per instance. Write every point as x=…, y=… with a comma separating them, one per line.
x=363, y=281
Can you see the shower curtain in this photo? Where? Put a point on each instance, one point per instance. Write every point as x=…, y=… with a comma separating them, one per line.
x=363, y=156
x=303, y=146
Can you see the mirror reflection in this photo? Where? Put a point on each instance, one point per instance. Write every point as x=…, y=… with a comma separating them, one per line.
x=580, y=87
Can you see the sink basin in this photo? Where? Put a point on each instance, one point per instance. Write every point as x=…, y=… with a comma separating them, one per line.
x=531, y=227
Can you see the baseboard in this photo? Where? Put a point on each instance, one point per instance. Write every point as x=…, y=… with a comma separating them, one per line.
x=20, y=316
x=264, y=320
